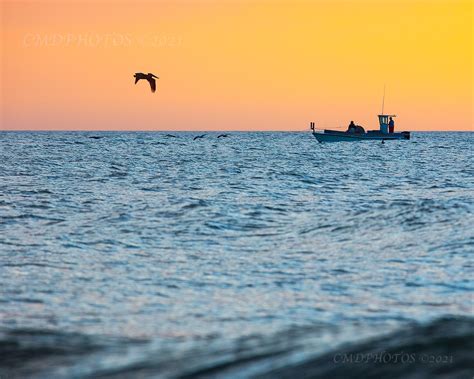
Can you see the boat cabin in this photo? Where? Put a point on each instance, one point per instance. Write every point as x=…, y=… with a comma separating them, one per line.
x=383, y=122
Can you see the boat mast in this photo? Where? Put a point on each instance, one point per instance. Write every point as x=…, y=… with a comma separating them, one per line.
x=383, y=99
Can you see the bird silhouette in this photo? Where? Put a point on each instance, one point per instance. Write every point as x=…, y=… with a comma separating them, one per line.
x=150, y=77
x=201, y=136
x=222, y=136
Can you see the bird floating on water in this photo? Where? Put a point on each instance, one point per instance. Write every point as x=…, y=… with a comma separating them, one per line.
x=150, y=77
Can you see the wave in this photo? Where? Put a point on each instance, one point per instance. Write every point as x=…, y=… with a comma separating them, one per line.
x=439, y=349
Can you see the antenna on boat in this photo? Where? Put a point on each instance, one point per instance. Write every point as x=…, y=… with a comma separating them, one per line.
x=383, y=99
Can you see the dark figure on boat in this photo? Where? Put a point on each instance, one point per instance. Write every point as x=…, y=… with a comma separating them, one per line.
x=353, y=128
x=391, y=126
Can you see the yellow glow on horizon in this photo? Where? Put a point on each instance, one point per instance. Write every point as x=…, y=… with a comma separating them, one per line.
x=236, y=65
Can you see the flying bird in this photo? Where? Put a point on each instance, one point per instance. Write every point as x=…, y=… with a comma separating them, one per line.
x=150, y=77
x=201, y=136
x=222, y=136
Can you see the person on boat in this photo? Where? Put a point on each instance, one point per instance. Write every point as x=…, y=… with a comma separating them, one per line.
x=351, y=128
x=391, y=125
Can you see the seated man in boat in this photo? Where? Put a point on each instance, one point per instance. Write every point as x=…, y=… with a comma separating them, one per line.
x=351, y=128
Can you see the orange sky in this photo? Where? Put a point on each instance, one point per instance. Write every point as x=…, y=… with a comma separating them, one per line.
x=236, y=65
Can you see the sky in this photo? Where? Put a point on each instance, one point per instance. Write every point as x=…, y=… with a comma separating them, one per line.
x=236, y=65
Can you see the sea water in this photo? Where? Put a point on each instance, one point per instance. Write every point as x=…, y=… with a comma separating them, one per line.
x=154, y=254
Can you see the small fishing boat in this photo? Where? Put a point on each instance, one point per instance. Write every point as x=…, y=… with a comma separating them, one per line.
x=359, y=134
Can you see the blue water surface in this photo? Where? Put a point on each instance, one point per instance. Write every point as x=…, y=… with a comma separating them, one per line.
x=204, y=243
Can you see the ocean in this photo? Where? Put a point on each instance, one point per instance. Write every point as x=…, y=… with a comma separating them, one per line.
x=262, y=254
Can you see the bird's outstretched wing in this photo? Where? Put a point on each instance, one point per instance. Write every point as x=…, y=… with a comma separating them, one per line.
x=136, y=79
x=152, y=84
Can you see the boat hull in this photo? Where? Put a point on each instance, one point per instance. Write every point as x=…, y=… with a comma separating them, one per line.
x=352, y=137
